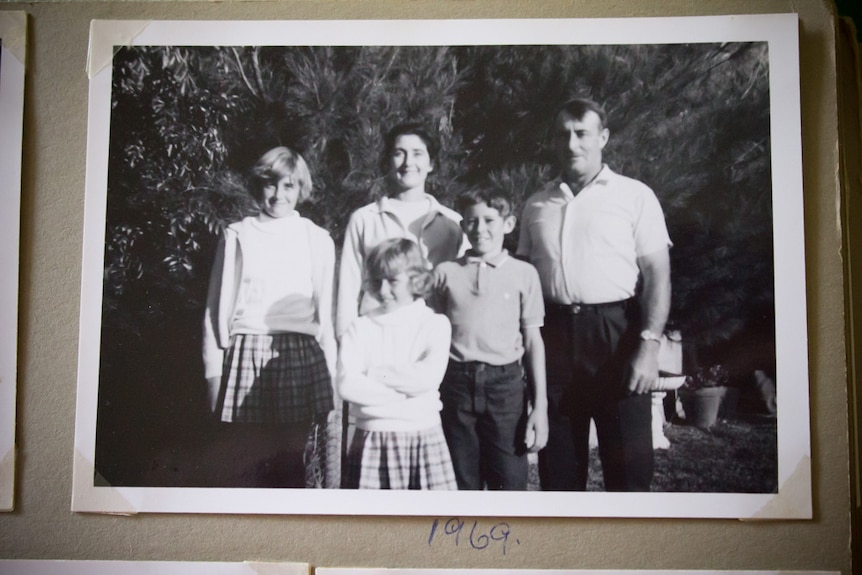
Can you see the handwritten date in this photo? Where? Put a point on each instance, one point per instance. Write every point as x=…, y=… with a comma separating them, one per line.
x=469, y=533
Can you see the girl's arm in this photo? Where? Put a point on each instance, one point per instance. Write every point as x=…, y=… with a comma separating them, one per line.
x=425, y=373
x=213, y=355
x=537, y=422
x=349, y=278
x=353, y=382
x=323, y=297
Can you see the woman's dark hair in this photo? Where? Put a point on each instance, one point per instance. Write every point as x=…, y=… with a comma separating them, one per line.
x=407, y=129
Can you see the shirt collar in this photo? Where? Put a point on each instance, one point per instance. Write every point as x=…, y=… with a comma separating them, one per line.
x=602, y=178
x=267, y=223
x=265, y=217
x=494, y=262
x=384, y=204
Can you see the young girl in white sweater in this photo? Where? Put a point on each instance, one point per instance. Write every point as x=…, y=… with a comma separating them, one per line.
x=391, y=363
x=269, y=343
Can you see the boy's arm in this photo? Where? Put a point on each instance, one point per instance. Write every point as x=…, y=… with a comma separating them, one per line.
x=537, y=422
x=354, y=383
x=427, y=371
x=435, y=299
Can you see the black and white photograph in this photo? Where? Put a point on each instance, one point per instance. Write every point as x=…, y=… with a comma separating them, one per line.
x=13, y=30
x=470, y=267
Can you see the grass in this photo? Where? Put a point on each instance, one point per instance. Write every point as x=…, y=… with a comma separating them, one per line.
x=734, y=456
x=737, y=455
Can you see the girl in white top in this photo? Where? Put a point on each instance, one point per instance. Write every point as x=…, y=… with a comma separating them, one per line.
x=391, y=363
x=269, y=344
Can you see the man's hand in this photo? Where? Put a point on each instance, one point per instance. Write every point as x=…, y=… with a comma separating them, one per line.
x=537, y=429
x=643, y=371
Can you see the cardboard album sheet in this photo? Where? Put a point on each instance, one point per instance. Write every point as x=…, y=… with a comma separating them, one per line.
x=704, y=110
x=13, y=34
x=84, y=567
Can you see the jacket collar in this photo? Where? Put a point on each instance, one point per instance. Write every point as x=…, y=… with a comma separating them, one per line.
x=383, y=205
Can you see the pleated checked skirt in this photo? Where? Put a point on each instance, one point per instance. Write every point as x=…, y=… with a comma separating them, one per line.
x=275, y=379
x=399, y=460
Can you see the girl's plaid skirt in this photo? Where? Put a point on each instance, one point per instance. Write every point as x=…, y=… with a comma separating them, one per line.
x=399, y=460
x=275, y=379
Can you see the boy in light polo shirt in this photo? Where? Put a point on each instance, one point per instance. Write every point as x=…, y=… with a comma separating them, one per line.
x=495, y=305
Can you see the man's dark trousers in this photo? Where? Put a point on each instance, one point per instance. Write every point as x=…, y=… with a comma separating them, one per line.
x=588, y=352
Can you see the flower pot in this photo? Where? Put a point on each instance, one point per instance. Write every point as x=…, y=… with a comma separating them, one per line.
x=701, y=405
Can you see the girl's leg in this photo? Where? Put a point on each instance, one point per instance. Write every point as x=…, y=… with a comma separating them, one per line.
x=295, y=387
x=365, y=463
x=256, y=456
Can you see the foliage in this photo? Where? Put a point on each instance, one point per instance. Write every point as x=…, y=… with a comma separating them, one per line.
x=713, y=376
x=739, y=456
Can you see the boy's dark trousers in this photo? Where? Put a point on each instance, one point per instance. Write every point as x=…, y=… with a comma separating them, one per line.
x=588, y=350
x=484, y=418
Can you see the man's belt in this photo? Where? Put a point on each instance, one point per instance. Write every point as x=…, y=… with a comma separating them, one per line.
x=578, y=308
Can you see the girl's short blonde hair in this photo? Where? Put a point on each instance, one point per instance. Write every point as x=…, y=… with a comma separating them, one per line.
x=276, y=164
x=393, y=256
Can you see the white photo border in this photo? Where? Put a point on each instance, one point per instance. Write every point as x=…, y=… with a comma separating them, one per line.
x=780, y=31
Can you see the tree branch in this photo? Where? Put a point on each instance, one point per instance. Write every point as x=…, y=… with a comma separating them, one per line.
x=242, y=72
x=255, y=61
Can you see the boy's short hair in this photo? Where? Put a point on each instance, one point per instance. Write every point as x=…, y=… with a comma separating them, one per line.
x=393, y=256
x=407, y=129
x=276, y=164
x=577, y=108
x=492, y=197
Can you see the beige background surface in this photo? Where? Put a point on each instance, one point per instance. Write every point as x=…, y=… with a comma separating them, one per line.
x=51, y=226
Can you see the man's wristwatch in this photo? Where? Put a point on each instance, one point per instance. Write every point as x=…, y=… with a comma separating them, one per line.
x=647, y=335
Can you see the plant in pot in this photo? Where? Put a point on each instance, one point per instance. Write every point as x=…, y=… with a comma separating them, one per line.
x=702, y=393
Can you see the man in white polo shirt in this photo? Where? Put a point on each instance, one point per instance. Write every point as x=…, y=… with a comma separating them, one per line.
x=600, y=244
